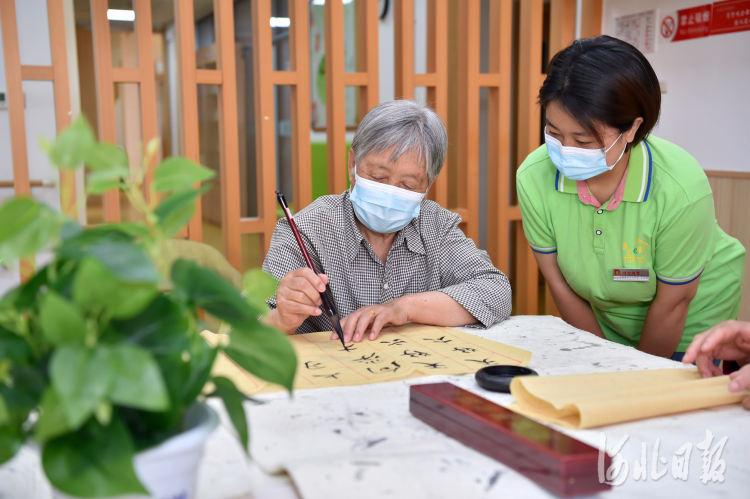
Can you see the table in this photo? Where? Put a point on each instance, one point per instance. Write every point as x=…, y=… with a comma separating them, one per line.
x=362, y=442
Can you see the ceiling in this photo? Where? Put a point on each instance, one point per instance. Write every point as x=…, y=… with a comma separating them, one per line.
x=162, y=11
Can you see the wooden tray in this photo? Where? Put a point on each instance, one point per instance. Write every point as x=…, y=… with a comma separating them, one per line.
x=561, y=464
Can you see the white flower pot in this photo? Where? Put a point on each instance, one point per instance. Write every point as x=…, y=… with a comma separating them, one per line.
x=169, y=470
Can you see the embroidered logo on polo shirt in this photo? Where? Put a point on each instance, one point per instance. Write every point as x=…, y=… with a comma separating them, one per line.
x=635, y=253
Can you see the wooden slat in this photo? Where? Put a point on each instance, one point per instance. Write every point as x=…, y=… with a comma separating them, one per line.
x=15, y=99
x=105, y=95
x=358, y=79
x=189, y=140
x=126, y=75
x=265, y=118
x=591, y=18
x=727, y=174
x=285, y=77
x=149, y=120
x=38, y=73
x=252, y=225
x=562, y=29
x=369, y=95
x=468, y=120
x=514, y=213
x=300, y=96
x=228, y=132
x=403, y=48
x=208, y=77
x=425, y=79
x=436, y=78
x=335, y=98
x=529, y=69
x=464, y=213
x=498, y=134
x=16, y=118
x=9, y=184
x=490, y=80
x=63, y=111
x=437, y=96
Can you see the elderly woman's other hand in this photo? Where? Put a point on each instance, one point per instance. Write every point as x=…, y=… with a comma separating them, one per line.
x=729, y=340
x=374, y=318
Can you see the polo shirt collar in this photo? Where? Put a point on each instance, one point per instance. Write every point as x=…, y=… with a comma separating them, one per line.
x=409, y=234
x=639, y=178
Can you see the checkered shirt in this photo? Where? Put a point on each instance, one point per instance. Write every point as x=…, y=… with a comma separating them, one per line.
x=430, y=254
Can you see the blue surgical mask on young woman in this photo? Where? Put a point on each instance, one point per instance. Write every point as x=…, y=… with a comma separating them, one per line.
x=384, y=208
x=576, y=163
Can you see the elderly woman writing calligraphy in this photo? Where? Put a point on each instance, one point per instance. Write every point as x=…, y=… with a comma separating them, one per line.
x=388, y=255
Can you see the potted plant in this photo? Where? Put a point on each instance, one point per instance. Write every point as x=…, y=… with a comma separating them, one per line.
x=101, y=360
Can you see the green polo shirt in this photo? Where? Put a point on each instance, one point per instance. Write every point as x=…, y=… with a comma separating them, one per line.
x=665, y=225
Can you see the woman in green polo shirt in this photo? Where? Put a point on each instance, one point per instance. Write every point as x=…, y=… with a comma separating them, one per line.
x=622, y=223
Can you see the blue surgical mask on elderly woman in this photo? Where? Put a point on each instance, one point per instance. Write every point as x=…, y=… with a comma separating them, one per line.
x=576, y=163
x=384, y=208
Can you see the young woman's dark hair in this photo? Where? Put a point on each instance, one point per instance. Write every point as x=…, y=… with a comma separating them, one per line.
x=606, y=81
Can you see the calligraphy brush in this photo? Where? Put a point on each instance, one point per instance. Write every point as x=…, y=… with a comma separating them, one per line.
x=328, y=306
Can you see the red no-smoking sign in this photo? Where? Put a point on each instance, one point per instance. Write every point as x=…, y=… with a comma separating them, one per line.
x=668, y=26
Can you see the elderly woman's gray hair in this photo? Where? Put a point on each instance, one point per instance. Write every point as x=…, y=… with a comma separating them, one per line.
x=406, y=127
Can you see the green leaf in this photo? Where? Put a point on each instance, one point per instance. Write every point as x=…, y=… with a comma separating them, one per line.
x=202, y=357
x=259, y=283
x=73, y=146
x=132, y=229
x=126, y=261
x=136, y=379
x=96, y=461
x=176, y=174
x=70, y=229
x=52, y=418
x=4, y=413
x=81, y=378
x=161, y=328
x=11, y=440
x=27, y=387
x=96, y=289
x=103, y=156
x=258, y=287
x=233, y=402
x=61, y=321
x=205, y=289
x=176, y=211
x=99, y=182
x=13, y=347
x=27, y=294
x=263, y=351
x=27, y=227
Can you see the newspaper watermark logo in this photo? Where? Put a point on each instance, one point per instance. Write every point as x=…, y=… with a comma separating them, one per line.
x=712, y=465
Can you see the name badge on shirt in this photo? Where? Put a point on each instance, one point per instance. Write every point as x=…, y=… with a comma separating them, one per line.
x=639, y=275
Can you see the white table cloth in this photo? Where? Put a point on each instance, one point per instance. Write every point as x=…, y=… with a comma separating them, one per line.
x=361, y=441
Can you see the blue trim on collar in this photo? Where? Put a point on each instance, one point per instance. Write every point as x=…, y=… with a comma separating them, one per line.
x=650, y=171
x=557, y=179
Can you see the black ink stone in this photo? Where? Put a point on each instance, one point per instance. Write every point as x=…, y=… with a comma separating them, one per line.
x=498, y=378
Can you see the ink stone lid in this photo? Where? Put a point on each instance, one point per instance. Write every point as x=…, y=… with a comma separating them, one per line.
x=498, y=378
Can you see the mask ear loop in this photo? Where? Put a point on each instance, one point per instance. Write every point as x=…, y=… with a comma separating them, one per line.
x=621, y=154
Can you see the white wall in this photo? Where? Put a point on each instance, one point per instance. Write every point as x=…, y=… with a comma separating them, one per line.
x=706, y=109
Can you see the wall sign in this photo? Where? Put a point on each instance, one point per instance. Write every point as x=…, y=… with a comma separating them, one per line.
x=718, y=18
x=638, y=30
x=730, y=16
x=694, y=22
